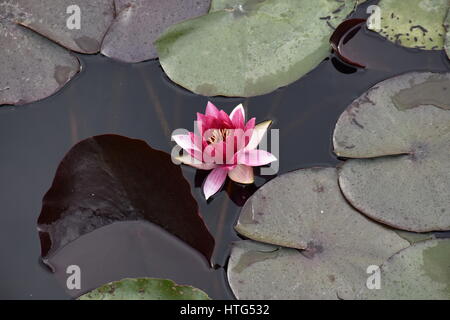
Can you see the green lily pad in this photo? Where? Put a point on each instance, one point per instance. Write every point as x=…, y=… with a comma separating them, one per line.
x=421, y=271
x=252, y=48
x=32, y=67
x=217, y=5
x=402, y=125
x=305, y=209
x=414, y=237
x=145, y=289
x=413, y=23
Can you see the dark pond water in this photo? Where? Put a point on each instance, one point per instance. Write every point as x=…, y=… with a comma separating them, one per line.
x=139, y=101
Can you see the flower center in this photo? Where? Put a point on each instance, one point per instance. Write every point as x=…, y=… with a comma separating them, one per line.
x=218, y=135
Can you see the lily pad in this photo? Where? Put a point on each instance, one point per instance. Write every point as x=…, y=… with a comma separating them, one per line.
x=32, y=67
x=420, y=272
x=251, y=49
x=140, y=22
x=51, y=19
x=145, y=289
x=413, y=23
x=110, y=178
x=305, y=210
x=403, y=126
x=447, y=38
x=342, y=36
x=217, y=5
x=414, y=237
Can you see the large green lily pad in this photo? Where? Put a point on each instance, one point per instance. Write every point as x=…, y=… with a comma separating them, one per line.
x=403, y=126
x=252, y=48
x=32, y=67
x=419, y=272
x=145, y=289
x=414, y=23
x=305, y=209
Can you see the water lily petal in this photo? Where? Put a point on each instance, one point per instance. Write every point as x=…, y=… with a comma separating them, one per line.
x=201, y=123
x=237, y=116
x=250, y=124
x=255, y=157
x=242, y=174
x=211, y=110
x=236, y=141
x=214, y=181
x=206, y=122
x=224, y=121
x=197, y=140
x=185, y=142
x=193, y=162
x=258, y=133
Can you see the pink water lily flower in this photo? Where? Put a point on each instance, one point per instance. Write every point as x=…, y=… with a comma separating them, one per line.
x=225, y=144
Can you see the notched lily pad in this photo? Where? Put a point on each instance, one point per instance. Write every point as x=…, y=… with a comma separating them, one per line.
x=140, y=22
x=305, y=210
x=413, y=23
x=250, y=47
x=32, y=67
x=51, y=19
x=109, y=178
x=402, y=125
x=145, y=289
x=420, y=272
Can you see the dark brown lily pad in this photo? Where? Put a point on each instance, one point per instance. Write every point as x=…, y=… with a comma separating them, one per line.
x=32, y=67
x=399, y=131
x=110, y=178
x=305, y=210
x=140, y=22
x=341, y=37
x=49, y=18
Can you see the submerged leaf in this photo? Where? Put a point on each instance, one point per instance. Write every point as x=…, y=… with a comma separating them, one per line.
x=52, y=19
x=403, y=126
x=251, y=49
x=420, y=272
x=109, y=178
x=140, y=22
x=32, y=68
x=413, y=23
x=145, y=289
x=304, y=209
x=340, y=38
